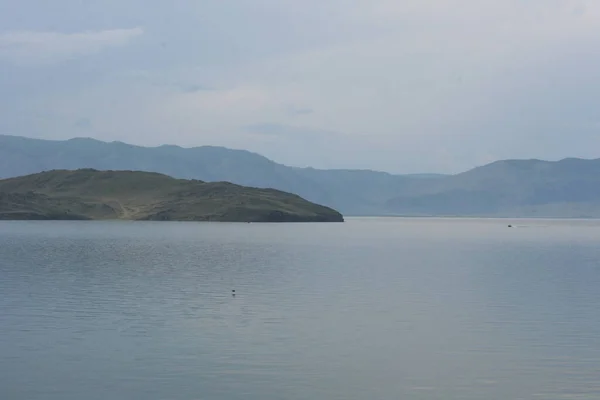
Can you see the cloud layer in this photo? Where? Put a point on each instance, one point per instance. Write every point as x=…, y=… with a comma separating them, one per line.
x=31, y=47
x=418, y=85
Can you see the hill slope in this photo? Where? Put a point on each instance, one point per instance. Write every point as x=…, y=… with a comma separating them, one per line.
x=527, y=188
x=516, y=188
x=134, y=195
x=350, y=191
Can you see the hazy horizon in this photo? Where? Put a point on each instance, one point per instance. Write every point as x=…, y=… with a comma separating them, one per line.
x=419, y=86
x=299, y=166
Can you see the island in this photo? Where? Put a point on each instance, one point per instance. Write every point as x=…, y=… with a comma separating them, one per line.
x=90, y=194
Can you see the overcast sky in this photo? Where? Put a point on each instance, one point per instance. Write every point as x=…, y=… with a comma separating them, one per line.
x=402, y=86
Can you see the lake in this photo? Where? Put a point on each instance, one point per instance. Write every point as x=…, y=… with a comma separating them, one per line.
x=374, y=308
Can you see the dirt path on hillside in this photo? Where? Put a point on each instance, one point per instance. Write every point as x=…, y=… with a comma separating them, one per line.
x=125, y=213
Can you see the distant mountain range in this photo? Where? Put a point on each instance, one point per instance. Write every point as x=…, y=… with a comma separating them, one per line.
x=516, y=188
x=510, y=188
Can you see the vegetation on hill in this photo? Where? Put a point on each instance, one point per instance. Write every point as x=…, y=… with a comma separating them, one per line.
x=134, y=195
x=357, y=192
x=512, y=188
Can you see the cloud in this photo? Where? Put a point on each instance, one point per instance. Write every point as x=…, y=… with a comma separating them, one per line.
x=193, y=88
x=293, y=132
x=417, y=85
x=293, y=110
x=83, y=123
x=33, y=47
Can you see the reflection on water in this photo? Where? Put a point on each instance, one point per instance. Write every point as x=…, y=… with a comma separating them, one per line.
x=374, y=308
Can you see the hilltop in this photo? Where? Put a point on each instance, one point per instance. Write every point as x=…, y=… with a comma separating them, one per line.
x=357, y=192
x=510, y=188
x=505, y=188
x=89, y=194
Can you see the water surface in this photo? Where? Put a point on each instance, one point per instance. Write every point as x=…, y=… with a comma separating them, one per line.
x=377, y=308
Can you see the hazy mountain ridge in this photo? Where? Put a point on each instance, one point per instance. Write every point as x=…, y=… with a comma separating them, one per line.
x=133, y=195
x=565, y=188
x=350, y=191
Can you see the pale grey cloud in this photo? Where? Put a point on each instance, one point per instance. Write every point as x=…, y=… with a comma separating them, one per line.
x=294, y=110
x=83, y=123
x=417, y=85
x=33, y=47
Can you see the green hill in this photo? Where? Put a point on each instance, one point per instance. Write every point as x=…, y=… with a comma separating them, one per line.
x=511, y=188
x=356, y=192
x=88, y=194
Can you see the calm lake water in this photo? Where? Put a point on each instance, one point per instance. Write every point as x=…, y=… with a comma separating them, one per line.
x=375, y=308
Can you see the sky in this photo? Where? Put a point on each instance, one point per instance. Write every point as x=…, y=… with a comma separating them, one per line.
x=400, y=86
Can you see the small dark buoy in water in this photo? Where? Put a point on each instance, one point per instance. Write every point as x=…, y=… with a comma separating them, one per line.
x=233, y=292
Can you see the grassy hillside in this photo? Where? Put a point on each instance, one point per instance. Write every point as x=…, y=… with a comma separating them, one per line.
x=135, y=195
x=527, y=188
x=350, y=191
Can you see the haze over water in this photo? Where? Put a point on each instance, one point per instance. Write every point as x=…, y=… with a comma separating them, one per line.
x=377, y=308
